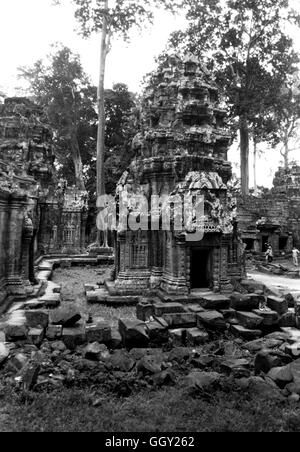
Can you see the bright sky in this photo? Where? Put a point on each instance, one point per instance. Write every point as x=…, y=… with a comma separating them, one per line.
x=29, y=27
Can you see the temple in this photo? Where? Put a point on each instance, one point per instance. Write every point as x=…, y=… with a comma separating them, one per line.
x=39, y=215
x=181, y=153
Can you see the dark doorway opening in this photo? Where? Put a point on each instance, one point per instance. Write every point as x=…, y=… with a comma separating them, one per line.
x=200, y=269
x=265, y=243
x=283, y=243
x=249, y=244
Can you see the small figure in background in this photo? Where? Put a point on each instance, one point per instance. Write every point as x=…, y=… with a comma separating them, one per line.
x=295, y=253
x=269, y=255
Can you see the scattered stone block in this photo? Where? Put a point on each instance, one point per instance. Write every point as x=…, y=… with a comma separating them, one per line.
x=237, y=366
x=215, y=301
x=16, y=327
x=157, y=333
x=252, y=286
x=245, y=302
x=96, y=352
x=293, y=350
x=177, y=337
x=280, y=305
x=36, y=336
x=265, y=360
x=90, y=288
x=270, y=317
x=281, y=375
x=149, y=364
x=2, y=337
x=144, y=311
x=66, y=316
x=98, y=332
x=18, y=361
x=54, y=332
x=195, y=337
x=34, y=304
x=180, y=320
x=72, y=337
x=161, y=308
x=133, y=332
x=51, y=300
x=122, y=361
x=4, y=353
x=116, y=340
x=295, y=371
x=29, y=375
x=195, y=308
x=196, y=380
x=249, y=319
x=162, y=321
x=288, y=319
x=37, y=318
x=245, y=333
x=211, y=319
x=228, y=314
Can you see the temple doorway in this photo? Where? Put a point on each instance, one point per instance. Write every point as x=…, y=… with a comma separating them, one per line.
x=200, y=268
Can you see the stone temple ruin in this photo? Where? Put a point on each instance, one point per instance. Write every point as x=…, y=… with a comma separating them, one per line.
x=38, y=214
x=182, y=151
x=273, y=217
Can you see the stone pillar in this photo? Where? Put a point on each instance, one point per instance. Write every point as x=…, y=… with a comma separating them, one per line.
x=14, y=246
x=26, y=243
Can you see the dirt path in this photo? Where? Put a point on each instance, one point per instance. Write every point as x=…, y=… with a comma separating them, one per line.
x=276, y=281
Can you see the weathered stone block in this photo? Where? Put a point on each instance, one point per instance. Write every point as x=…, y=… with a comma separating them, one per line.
x=37, y=318
x=51, y=300
x=54, y=332
x=211, y=319
x=158, y=334
x=215, y=301
x=144, y=310
x=180, y=319
x=245, y=302
x=29, y=375
x=195, y=337
x=288, y=319
x=245, y=333
x=116, y=340
x=134, y=333
x=280, y=305
x=249, y=319
x=228, y=314
x=195, y=308
x=98, y=332
x=16, y=327
x=67, y=316
x=167, y=308
x=177, y=337
x=281, y=375
x=4, y=353
x=72, y=337
x=36, y=336
x=270, y=318
x=96, y=352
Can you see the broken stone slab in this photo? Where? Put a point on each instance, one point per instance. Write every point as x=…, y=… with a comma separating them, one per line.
x=29, y=375
x=237, y=366
x=215, y=301
x=144, y=310
x=66, y=316
x=16, y=328
x=295, y=371
x=292, y=334
x=74, y=336
x=288, y=319
x=252, y=286
x=266, y=359
x=195, y=308
x=18, y=361
x=197, y=380
x=51, y=300
x=195, y=336
x=180, y=354
x=134, y=333
x=270, y=317
x=177, y=337
x=245, y=333
x=4, y=353
x=245, y=302
x=37, y=318
x=228, y=314
x=249, y=319
x=281, y=375
x=162, y=321
x=34, y=304
x=36, y=336
x=292, y=298
x=211, y=319
x=2, y=337
x=54, y=332
x=263, y=343
x=149, y=365
x=96, y=352
x=157, y=333
x=161, y=308
x=280, y=305
x=121, y=360
x=293, y=350
x=116, y=340
x=98, y=332
x=90, y=288
x=180, y=320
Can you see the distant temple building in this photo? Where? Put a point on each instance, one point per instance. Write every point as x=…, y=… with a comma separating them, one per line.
x=274, y=217
x=31, y=201
x=181, y=150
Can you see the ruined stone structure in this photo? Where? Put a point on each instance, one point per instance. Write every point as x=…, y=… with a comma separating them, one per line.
x=27, y=189
x=273, y=217
x=181, y=150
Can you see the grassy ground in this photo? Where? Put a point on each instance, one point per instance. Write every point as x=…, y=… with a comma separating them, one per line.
x=73, y=280
x=170, y=410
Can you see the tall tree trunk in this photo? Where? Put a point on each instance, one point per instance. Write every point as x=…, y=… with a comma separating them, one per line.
x=101, y=110
x=255, y=162
x=244, y=146
x=79, y=181
x=286, y=153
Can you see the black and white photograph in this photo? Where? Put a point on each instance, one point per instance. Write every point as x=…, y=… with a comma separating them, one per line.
x=150, y=219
